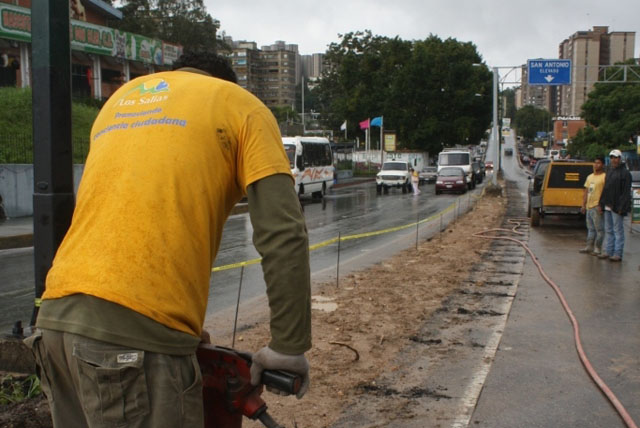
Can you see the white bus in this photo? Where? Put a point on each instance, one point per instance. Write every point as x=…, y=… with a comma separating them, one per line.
x=311, y=164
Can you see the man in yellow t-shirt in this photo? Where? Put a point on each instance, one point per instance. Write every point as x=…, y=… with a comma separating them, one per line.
x=593, y=186
x=122, y=314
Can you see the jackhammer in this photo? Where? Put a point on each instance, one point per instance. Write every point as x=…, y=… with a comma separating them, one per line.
x=227, y=391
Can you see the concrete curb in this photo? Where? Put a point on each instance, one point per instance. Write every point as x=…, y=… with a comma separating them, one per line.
x=17, y=241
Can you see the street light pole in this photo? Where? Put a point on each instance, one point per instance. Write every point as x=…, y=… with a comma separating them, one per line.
x=496, y=137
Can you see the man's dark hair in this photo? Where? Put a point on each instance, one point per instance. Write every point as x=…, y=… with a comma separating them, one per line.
x=600, y=158
x=212, y=63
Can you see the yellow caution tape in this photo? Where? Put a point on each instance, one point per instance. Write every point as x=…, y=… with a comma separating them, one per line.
x=342, y=238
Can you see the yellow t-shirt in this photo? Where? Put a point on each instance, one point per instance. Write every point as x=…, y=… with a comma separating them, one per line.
x=594, y=185
x=171, y=154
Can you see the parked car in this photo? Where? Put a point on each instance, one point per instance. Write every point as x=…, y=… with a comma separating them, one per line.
x=508, y=152
x=428, y=174
x=451, y=179
x=394, y=174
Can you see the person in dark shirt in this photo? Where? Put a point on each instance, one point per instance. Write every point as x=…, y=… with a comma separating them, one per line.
x=615, y=203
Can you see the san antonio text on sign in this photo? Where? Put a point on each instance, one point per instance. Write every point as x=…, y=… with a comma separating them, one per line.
x=549, y=66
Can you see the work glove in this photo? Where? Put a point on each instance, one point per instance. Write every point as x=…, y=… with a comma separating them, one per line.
x=267, y=358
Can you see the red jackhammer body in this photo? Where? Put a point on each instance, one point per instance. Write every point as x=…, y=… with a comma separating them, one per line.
x=227, y=391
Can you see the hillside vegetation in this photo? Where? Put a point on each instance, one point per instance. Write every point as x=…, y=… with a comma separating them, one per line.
x=16, y=127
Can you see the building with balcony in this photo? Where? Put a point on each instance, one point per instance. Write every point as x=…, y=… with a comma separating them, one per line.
x=588, y=51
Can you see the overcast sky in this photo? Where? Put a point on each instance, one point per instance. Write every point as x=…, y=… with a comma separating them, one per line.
x=506, y=33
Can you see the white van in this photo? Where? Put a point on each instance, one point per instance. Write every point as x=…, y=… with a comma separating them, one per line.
x=458, y=157
x=311, y=164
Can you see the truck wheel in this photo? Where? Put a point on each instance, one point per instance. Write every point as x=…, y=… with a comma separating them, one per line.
x=378, y=188
x=535, y=217
x=385, y=190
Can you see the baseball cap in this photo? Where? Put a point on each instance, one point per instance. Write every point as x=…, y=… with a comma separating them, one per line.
x=616, y=153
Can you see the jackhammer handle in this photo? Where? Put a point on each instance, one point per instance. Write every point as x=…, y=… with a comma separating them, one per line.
x=286, y=382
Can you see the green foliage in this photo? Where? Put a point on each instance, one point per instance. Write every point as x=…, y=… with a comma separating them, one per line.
x=185, y=22
x=612, y=112
x=16, y=127
x=15, y=391
x=426, y=90
x=285, y=114
x=529, y=120
x=510, y=108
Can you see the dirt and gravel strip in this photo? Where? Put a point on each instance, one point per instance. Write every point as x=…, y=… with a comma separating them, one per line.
x=384, y=330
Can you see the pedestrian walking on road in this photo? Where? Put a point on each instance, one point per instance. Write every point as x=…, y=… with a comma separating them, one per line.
x=615, y=203
x=125, y=301
x=415, y=182
x=593, y=186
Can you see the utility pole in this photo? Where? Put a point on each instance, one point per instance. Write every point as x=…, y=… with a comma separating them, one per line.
x=53, y=198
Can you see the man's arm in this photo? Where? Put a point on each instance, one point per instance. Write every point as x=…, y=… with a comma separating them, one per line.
x=280, y=236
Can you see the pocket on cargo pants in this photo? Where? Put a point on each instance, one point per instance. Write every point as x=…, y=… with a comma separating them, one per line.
x=112, y=383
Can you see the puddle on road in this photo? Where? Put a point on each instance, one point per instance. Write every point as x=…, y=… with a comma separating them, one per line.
x=325, y=304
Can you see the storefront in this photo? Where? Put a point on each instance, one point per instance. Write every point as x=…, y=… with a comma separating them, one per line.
x=102, y=57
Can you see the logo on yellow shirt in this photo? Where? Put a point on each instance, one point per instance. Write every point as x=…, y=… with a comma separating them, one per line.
x=140, y=94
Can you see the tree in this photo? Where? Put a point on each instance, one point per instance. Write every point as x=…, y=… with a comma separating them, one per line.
x=530, y=119
x=612, y=113
x=184, y=22
x=426, y=90
x=509, y=95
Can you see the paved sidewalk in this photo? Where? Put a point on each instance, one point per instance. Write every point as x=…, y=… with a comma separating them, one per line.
x=537, y=379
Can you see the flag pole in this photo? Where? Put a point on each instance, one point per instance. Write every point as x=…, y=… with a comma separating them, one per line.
x=381, y=146
x=345, y=129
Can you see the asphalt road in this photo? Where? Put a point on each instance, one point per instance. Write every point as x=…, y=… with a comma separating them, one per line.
x=346, y=211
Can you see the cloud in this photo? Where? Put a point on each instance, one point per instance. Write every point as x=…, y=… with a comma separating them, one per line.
x=505, y=33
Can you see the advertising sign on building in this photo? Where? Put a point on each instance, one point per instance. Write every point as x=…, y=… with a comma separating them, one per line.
x=92, y=38
x=170, y=53
x=389, y=142
x=635, y=213
x=15, y=24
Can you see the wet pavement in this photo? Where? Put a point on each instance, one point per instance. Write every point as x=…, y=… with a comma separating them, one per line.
x=352, y=208
x=536, y=379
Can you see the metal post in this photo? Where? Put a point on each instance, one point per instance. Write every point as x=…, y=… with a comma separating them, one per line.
x=53, y=198
x=417, y=226
x=235, y=321
x=338, y=263
x=496, y=138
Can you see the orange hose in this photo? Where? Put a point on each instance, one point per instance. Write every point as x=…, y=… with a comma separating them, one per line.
x=576, y=328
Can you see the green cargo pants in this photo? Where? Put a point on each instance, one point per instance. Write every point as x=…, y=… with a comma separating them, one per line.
x=89, y=383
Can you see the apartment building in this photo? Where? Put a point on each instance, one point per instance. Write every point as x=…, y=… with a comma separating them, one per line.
x=540, y=96
x=281, y=72
x=312, y=67
x=588, y=51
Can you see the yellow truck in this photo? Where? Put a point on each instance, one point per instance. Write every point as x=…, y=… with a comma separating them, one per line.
x=559, y=190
